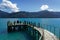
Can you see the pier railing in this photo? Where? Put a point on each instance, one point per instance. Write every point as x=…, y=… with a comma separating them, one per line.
x=36, y=30
x=52, y=28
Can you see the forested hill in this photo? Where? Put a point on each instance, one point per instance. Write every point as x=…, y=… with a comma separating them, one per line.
x=23, y=14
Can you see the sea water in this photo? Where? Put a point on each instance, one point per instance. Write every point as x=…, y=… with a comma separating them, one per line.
x=4, y=35
x=50, y=24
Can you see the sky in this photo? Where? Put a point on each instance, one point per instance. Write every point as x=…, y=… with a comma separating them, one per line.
x=29, y=5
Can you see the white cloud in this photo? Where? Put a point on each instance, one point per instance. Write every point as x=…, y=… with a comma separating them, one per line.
x=4, y=0
x=8, y=4
x=44, y=7
x=50, y=9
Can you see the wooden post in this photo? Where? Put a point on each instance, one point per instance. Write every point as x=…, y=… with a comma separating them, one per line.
x=47, y=27
x=41, y=25
x=20, y=22
x=34, y=33
x=17, y=21
x=30, y=23
x=34, y=24
x=27, y=30
x=14, y=22
x=59, y=33
x=50, y=28
x=24, y=22
x=13, y=28
x=19, y=28
x=31, y=31
x=9, y=29
x=38, y=24
x=27, y=22
x=37, y=35
x=54, y=29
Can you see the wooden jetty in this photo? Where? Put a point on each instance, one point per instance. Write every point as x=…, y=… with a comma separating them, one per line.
x=35, y=31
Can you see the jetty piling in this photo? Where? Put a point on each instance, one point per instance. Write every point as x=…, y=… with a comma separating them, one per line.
x=59, y=34
x=38, y=25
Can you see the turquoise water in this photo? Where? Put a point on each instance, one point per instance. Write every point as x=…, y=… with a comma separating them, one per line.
x=46, y=23
x=4, y=35
x=15, y=36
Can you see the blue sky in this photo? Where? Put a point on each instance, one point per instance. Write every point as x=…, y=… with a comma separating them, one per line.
x=35, y=5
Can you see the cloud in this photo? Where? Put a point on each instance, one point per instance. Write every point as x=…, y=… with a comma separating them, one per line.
x=50, y=9
x=8, y=4
x=44, y=7
x=4, y=0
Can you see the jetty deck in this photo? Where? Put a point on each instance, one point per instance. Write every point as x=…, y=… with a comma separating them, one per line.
x=42, y=34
